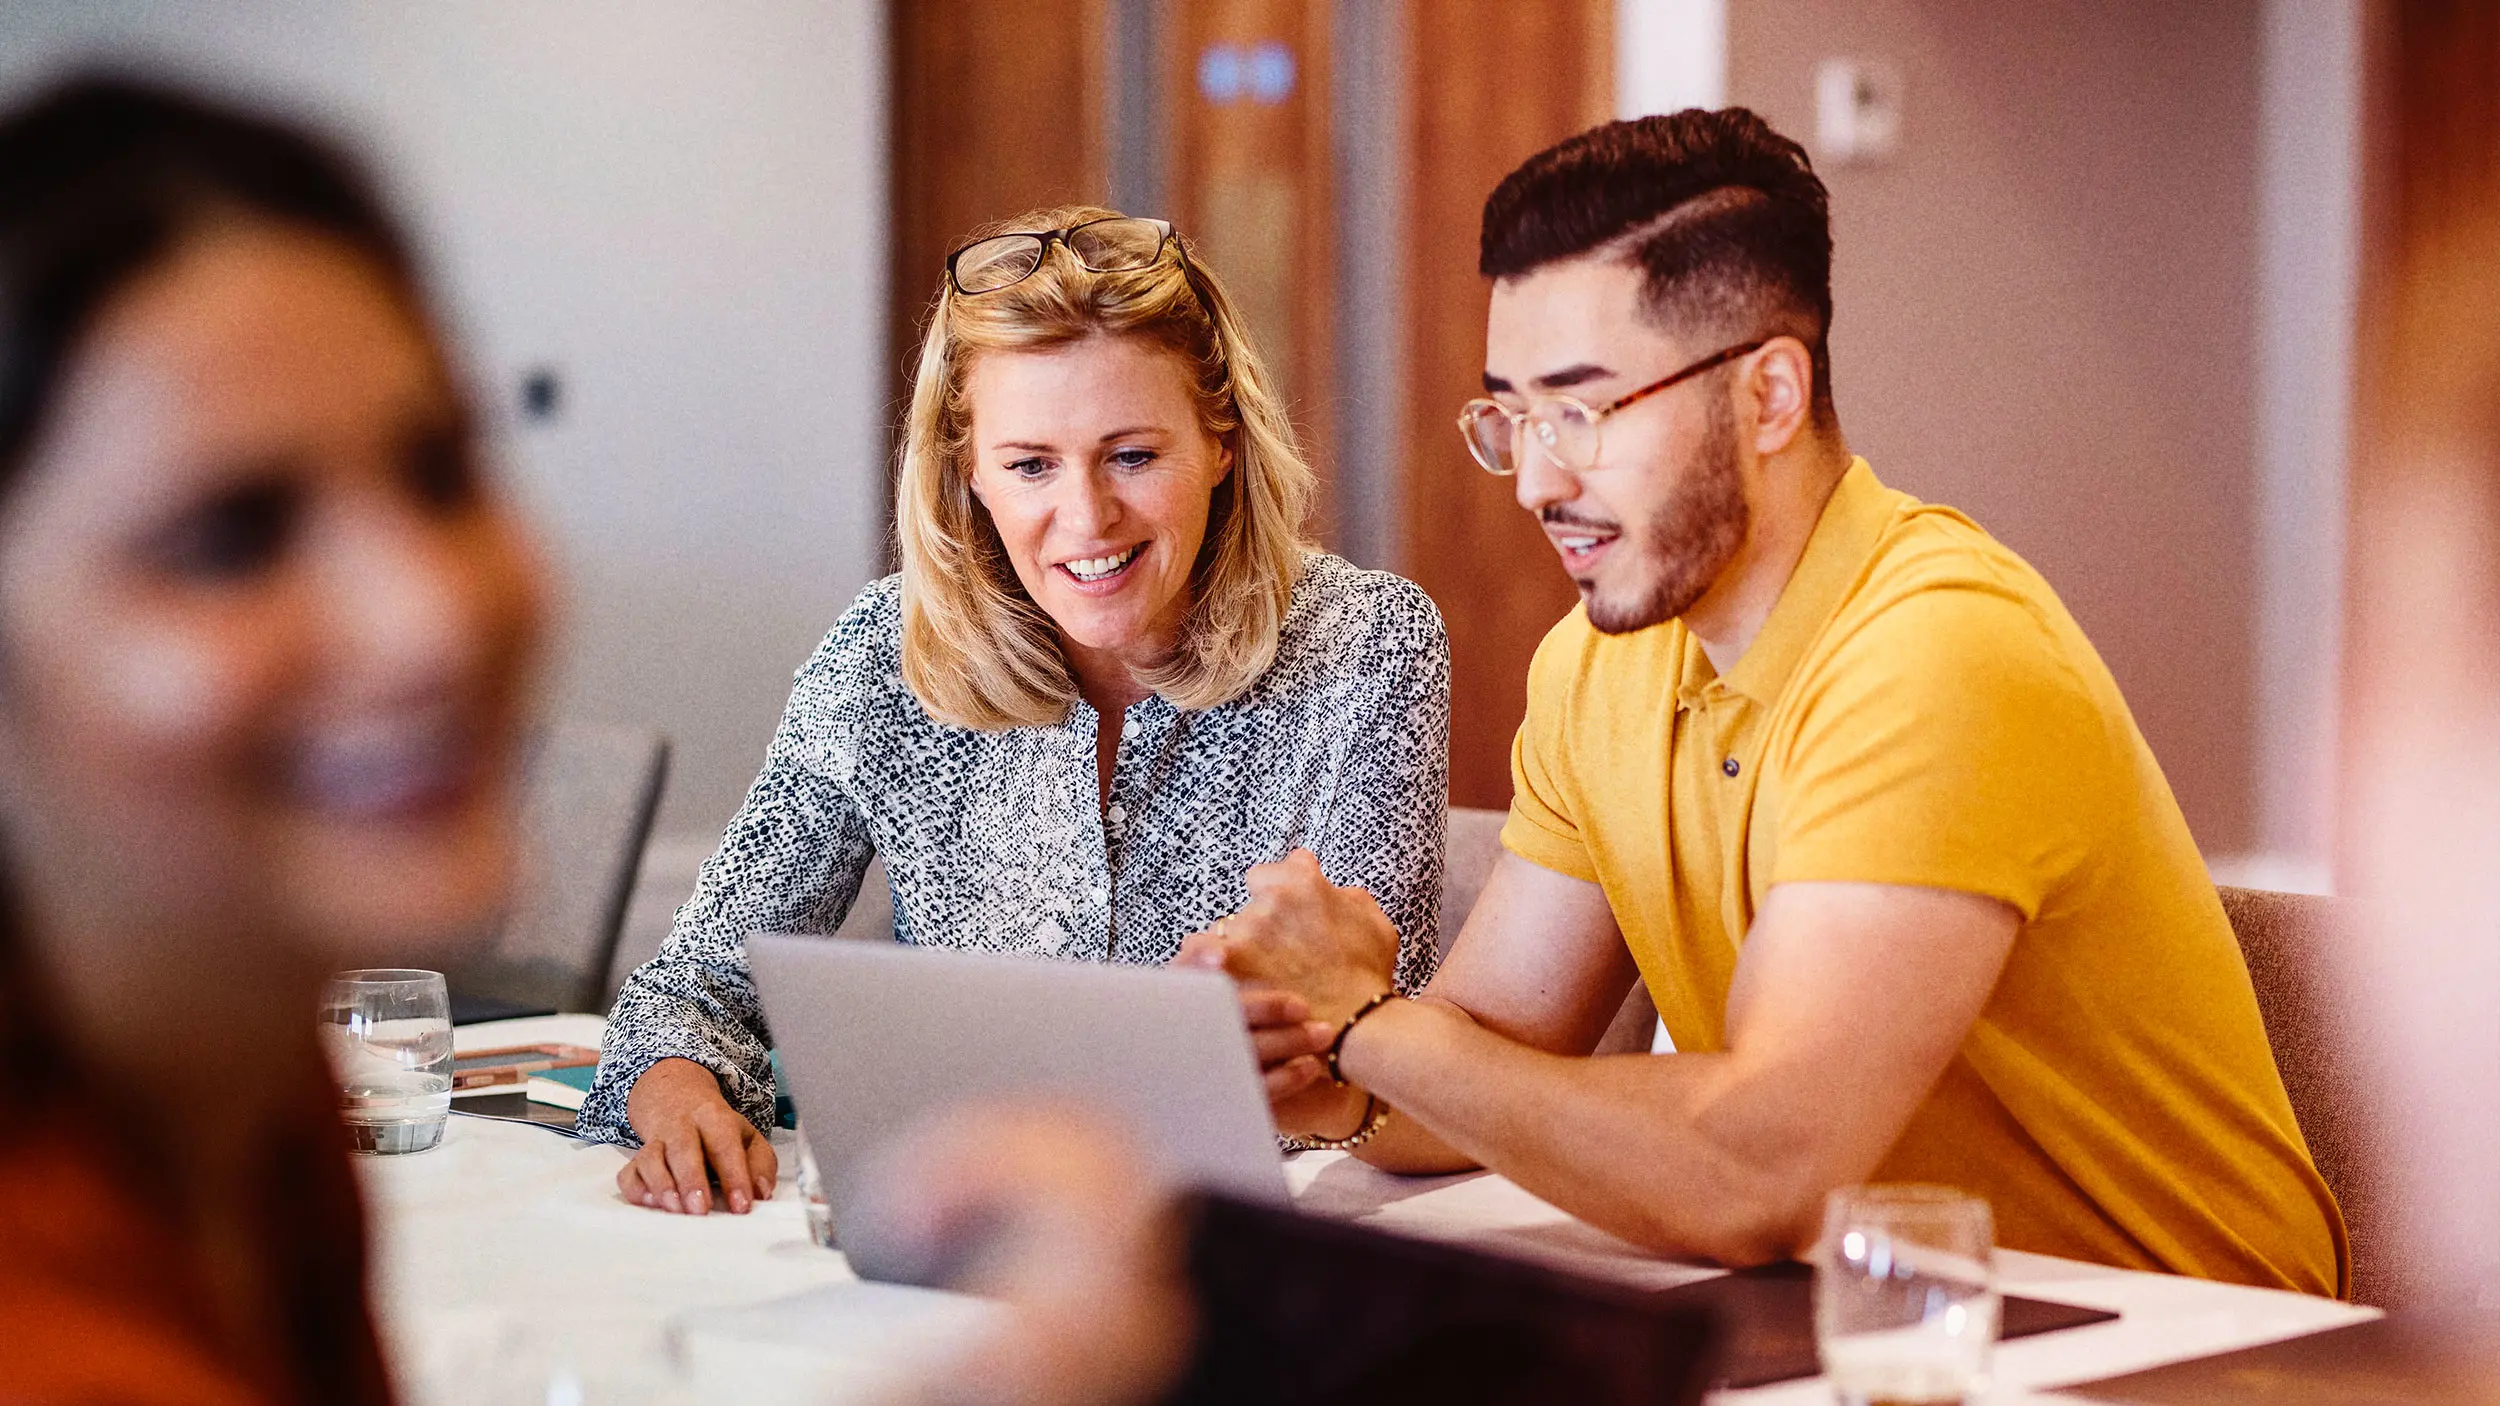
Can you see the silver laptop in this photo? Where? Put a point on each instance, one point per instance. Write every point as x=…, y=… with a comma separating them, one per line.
x=876, y=1036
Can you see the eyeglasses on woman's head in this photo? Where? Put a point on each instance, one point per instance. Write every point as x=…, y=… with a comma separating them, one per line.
x=1119, y=244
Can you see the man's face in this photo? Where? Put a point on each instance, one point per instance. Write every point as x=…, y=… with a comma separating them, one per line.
x=1646, y=530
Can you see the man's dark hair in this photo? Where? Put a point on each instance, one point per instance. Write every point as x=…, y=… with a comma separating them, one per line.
x=1724, y=217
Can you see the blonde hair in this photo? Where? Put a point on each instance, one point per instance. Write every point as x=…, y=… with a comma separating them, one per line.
x=977, y=651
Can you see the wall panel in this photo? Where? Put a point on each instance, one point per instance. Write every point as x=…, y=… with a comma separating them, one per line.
x=2046, y=314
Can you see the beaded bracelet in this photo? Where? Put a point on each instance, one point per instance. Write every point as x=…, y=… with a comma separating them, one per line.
x=1336, y=1047
x=1375, y=1117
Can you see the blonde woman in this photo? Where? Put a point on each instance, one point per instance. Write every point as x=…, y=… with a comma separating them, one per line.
x=1109, y=679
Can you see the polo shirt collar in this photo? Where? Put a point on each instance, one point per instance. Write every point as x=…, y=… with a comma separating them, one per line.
x=1844, y=536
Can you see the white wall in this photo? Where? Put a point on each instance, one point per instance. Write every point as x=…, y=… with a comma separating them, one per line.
x=1673, y=53
x=678, y=206
x=1669, y=55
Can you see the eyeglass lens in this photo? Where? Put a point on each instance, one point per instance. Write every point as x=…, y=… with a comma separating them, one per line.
x=1116, y=246
x=1489, y=437
x=992, y=264
x=1562, y=431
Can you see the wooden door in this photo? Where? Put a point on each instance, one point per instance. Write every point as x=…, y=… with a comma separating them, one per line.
x=1251, y=164
x=997, y=109
x=1490, y=83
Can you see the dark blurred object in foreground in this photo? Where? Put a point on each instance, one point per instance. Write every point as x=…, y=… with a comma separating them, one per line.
x=1294, y=1308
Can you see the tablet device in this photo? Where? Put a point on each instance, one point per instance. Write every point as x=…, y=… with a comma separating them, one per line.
x=876, y=1038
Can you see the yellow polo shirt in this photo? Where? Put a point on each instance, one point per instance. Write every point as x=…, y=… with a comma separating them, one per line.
x=1919, y=709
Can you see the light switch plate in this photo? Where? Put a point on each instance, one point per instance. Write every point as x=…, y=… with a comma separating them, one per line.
x=1857, y=110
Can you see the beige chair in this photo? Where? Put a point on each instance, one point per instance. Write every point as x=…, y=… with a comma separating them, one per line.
x=2286, y=939
x=1475, y=841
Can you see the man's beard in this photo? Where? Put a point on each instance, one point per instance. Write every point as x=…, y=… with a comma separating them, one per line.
x=1688, y=541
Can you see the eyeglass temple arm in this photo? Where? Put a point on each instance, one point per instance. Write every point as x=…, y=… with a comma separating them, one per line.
x=1714, y=360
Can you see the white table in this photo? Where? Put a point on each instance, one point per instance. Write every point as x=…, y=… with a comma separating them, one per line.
x=510, y=1225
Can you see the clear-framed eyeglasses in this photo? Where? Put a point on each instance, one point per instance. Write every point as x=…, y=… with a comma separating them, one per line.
x=1563, y=428
x=1121, y=244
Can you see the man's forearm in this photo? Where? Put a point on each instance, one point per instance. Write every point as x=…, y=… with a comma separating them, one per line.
x=1406, y=1146
x=1627, y=1143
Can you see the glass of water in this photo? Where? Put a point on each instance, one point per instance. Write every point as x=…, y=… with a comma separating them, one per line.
x=388, y=1035
x=1905, y=1299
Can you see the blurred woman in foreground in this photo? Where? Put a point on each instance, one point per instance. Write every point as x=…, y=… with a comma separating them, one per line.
x=263, y=638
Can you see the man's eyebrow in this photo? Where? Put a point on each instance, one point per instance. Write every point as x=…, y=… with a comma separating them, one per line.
x=1579, y=374
x=1575, y=375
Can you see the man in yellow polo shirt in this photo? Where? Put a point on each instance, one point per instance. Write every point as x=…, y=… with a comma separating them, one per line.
x=1829, y=768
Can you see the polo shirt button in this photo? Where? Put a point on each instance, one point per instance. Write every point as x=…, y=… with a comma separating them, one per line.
x=1730, y=767
x=1128, y=727
x=1116, y=814
x=1097, y=894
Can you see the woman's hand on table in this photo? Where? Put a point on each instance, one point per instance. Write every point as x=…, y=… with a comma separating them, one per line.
x=690, y=1138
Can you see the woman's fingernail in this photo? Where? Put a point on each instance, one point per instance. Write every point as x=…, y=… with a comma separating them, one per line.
x=669, y=1199
x=738, y=1203
x=1320, y=1031
x=697, y=1202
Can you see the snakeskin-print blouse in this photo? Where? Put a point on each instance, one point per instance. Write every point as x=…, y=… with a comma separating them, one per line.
x=1000, y=842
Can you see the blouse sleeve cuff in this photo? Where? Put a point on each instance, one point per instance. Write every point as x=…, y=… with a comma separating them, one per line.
x=621, y=1063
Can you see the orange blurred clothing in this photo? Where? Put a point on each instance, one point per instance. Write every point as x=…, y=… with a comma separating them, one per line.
x=102, y=1304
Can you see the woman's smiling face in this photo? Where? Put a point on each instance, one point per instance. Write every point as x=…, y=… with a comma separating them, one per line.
x=264, y=628
x=1093, y=464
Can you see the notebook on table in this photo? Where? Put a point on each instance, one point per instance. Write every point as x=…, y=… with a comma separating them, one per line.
x=566, y=1087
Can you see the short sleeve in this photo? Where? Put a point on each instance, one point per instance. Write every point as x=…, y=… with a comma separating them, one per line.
x=1544, y=827
x=1946, y=743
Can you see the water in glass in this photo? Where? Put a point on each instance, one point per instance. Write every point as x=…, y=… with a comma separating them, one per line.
x=1905, y=1304
x=388, y=1035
